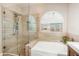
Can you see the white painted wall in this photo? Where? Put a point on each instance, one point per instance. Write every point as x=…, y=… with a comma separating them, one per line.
x=73, y=19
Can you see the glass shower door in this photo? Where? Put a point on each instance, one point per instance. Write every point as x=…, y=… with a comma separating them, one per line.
x=10, y=43
x=15, y=34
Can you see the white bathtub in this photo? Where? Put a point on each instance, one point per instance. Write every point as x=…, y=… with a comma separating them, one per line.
x=43, y=48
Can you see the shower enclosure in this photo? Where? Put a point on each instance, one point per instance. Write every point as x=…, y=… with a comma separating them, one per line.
x=17, y=31
x=13, y=36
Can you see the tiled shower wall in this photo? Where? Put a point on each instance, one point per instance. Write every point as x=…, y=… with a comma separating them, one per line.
x=11, y=42
x=0, y=31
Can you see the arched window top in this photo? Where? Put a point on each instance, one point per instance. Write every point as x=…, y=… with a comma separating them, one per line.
x=52, y=21
x=52, y=17
x=32, y=23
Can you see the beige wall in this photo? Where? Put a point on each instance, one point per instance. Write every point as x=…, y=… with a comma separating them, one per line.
x=41, y=9
x=16, y=7
x=24, y=29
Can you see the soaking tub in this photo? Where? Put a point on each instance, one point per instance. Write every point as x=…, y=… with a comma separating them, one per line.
x=43, y=48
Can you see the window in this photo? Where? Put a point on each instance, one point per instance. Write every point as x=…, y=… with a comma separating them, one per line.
x=52, y=21
x=32, y=24
x=57, y=27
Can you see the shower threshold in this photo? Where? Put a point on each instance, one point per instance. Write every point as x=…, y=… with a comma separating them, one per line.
x=9, y=54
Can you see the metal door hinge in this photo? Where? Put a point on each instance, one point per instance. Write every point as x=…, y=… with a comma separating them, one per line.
x=3, y=12
x=4, y=47
x=27, y=21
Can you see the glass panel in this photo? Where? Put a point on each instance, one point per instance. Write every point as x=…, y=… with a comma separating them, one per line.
x=15, y=35
x=9, y=36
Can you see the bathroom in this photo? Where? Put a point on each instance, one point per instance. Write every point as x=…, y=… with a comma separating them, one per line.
x=39, y=29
